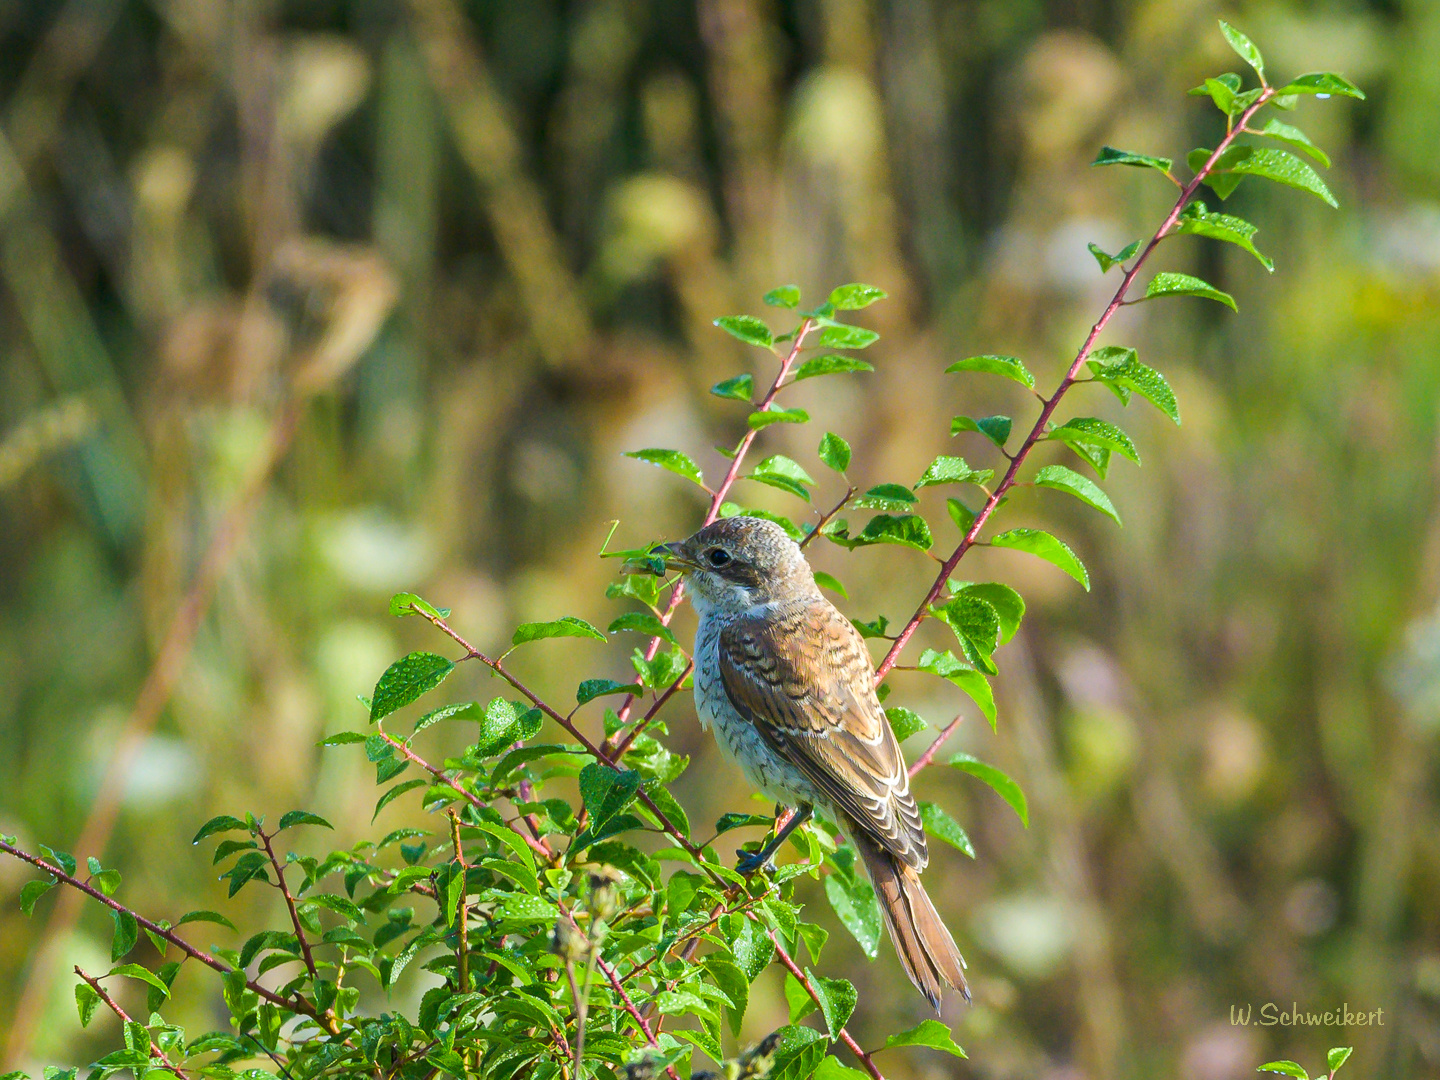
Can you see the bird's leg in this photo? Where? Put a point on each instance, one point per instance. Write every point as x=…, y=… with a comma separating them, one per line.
x=750, y=863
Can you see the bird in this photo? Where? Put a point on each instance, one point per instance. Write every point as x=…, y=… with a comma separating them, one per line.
x=788, y=686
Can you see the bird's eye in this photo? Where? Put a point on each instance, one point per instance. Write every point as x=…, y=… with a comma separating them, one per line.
x=718, y=557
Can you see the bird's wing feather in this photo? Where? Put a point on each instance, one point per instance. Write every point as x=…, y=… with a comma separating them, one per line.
x=804, y=678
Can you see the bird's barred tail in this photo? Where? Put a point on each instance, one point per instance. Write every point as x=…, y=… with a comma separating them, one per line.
x=924, y=945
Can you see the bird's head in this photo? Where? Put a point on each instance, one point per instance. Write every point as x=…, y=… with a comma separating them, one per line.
x=739, y=563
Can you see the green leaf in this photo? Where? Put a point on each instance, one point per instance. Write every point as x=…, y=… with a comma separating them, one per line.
x=1243, y=47
x=830, y=365
x=835, y=452
x=836, y=998
x=904, y=723
x=976, y=626
x=1296, y=138
x=779, y=471
x=407, y=603
x=218, y=824
x=831, y=1069
x=606, y=791
x=1195, y=220
x=1321, y=82
x=786, y=296
x=590, y=689
x=942, y=826
x=994, y=428
x=466, y=710
x=798, y=1053
x=738, y=388
x=840, y=336
x=961, y=674
x=736, y=986
x=127, y=932
x=405, y=680
x=1047, y=547
x=1121, y=370
x=776, y=415
x=1082, y=487
x=62, y=859
x=855, y=297
x=931, y=1033
x=672, y=461
x=726, y=822
x=1007, y=366
x=135, y=971
x=1289, y=1068
x=1107, y=261
x=750, y=945
x=643, y=622
x=961, y=514
x=86, y=999
x=909, y=530
x=343, y=738
x=748, y=329
x=893, y=498
x=1006, y=788
x=33, y=890
x=204, y=916
x=952, y=470
x=1008, y=604
x=1222, y=94
x=302, y=817
x=855, y=905
x=1337, y=1056
x=1279, y=165
x=1092, y=431
x=1169, y=284
x=1110, y=156
x=565, y=626
x=828, y=581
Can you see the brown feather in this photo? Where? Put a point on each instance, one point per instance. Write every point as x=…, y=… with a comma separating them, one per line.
x=803, y=677
x=924, y=945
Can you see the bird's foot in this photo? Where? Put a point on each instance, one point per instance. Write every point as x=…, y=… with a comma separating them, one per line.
x=750, y=861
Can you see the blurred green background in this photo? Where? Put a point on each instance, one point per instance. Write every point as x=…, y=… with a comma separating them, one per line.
x=377, y=291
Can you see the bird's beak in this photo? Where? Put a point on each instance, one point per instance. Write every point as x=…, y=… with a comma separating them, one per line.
x=674, y=555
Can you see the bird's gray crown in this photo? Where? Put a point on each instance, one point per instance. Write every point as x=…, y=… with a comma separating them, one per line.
x=739, y=563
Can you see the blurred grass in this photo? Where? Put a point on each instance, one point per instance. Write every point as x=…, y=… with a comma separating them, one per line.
x=1229, y=744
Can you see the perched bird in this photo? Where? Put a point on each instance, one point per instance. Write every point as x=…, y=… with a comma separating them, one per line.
x=789, y=687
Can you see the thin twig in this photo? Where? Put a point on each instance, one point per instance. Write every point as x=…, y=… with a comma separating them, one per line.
x=155, y=1052
x=825, y=517
x=929, y=754
x=284, y=887
x=789, y=964
x=296, y=1004
x=718, y=498
x=1048, y=407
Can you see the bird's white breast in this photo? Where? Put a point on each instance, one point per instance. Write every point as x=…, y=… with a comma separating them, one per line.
x=773, y=776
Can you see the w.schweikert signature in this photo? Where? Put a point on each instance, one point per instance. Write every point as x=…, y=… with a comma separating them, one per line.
x=1273, y=1015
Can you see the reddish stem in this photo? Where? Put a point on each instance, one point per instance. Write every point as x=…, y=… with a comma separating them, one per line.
x=1048, y=407
x=804, y=980
x=296, y=1005
x=155, y=1052
x=929, y=755
x=718, y=497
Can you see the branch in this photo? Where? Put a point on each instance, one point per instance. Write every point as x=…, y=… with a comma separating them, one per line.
x=155, y=1052
x=296, y=1004
x=619, y=988
x=929, y=755
x=804, y=980
x=472, y=653
x=825, y=517
x=284, y=888
x=1049, y=404
x=731, y=475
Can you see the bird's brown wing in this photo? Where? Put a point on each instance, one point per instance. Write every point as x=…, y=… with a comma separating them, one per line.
x=804, y=678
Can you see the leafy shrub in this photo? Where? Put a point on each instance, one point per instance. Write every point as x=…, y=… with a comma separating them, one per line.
x=564, y=945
